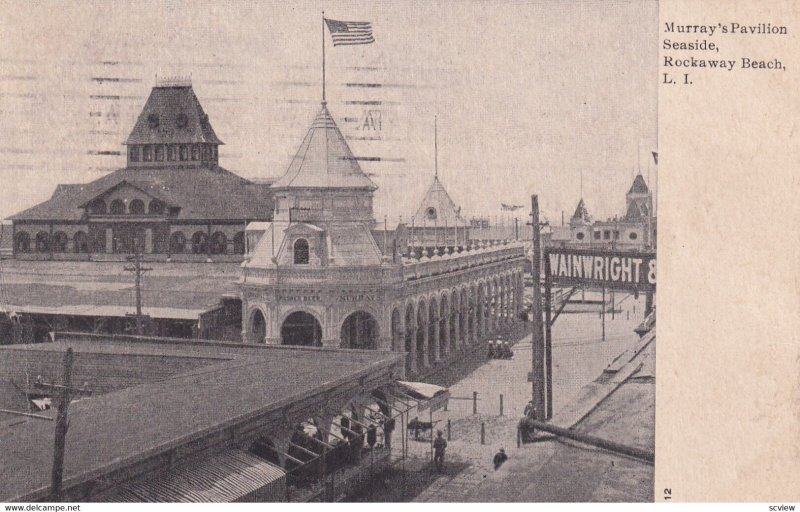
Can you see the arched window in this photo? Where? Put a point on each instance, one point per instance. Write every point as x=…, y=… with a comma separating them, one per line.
x=117, y=207
x=199, y=243
x=172, y=153
x=219, y=243
x=22, y=242
x=195, y=151
x=59, y=242
x=301, y=251
x=98, y=207
x=136, y=207
x=148, y=154
x=184, y=152
x=42, y=241
x=159, y=153
x=80, y=242
x=177, y=243
x=238, y=243
x=155, y=207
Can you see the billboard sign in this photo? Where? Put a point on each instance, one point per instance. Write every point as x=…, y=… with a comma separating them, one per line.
x=611, y=269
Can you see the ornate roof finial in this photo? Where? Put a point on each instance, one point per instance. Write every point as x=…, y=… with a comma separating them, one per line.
x=435, y=149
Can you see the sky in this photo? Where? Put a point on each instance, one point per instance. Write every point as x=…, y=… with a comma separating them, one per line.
x=555, y=98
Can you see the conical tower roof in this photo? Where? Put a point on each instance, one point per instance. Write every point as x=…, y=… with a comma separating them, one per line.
x=437, y=205
x=639, y=186
x=324, y=160
x=581, y=213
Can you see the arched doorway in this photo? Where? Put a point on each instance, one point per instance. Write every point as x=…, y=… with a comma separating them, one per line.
x=360, y=330
x=258, y=327
x=301, y=328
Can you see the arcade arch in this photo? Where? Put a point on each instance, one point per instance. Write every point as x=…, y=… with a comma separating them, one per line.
x=301, y=328
x=258, y=327
x=359, y=330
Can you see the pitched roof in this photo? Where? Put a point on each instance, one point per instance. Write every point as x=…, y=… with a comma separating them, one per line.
x=581, y=213
x=324, y=160
x=172, y=115
x=637, y=211
x=437, y=198
x=639, y=186
x=201, y=193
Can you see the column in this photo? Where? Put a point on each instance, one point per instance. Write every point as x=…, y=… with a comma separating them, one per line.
x=425, y=341
x=436, y=347
x=457, y=331
x=412, y=354
x=109, y=240
x=446, y=334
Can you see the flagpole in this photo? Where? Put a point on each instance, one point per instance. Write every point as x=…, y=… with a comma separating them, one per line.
x=323, y=57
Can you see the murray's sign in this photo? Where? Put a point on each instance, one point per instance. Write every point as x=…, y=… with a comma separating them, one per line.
x=612, y=269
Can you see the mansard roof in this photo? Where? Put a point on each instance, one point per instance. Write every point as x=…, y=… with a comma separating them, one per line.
x=639, y=186
x=201, y=193
x=324, y=160
x=172, y=115
x=437, y=198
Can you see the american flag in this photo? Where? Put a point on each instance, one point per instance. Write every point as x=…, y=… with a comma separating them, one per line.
x=350, y=32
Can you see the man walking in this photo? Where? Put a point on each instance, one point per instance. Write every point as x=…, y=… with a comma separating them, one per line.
x=439, y=446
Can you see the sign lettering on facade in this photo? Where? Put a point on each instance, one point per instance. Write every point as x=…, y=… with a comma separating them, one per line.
x=356, y=298
x=609, y=268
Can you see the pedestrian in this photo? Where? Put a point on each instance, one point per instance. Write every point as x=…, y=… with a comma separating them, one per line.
x=499, y=458
x=528, y=409
x=388, y=428
x=372, y=436
x=491, y=355
x=439, y=446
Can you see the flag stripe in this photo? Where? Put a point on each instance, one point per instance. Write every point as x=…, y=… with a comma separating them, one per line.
x=354, y=43
x=346, y=33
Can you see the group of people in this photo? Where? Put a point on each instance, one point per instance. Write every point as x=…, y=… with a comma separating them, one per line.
x=500, y=350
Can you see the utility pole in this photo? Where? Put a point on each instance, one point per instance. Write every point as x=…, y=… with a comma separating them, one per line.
x=65, y=392
x=537, y=376
x=137, y=270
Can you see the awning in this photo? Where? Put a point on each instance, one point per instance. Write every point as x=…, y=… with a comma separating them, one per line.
x=421, y=390
x=229, y=476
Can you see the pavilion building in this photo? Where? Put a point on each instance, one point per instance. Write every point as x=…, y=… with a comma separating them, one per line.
x=172, y=201
x=316, y=276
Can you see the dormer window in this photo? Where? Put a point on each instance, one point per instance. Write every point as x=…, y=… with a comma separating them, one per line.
x=117, y=207
x=136, y=207
x=156, y=207
x=301, y=252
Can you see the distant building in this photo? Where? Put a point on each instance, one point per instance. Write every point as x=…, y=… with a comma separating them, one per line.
x=635, y=230
x=171, y=201
x=437, y=221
